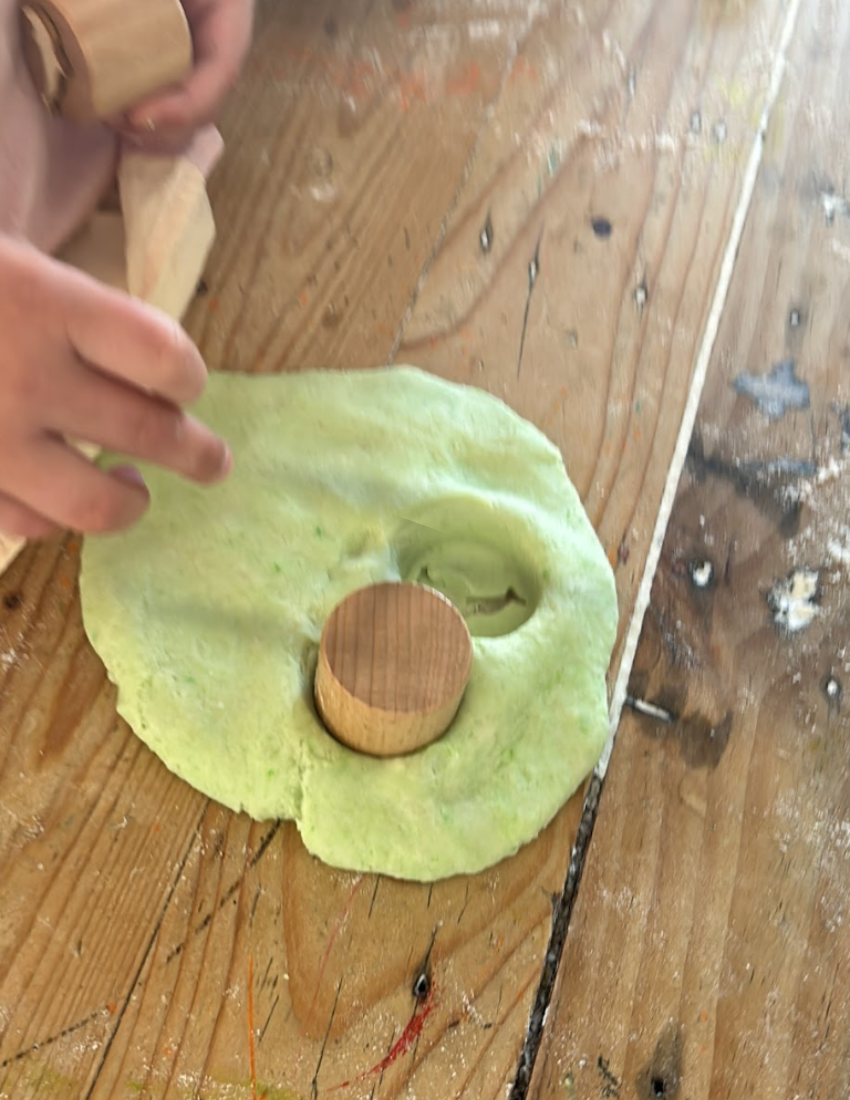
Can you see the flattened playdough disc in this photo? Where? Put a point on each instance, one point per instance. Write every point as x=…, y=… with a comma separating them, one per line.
x=208, y=614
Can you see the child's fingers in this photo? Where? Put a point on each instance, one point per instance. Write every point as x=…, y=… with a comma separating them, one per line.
x=126, y=338
x=56, y=482
x=174, y=114
x=101, y=410
x=17, y=519
x=222, y=34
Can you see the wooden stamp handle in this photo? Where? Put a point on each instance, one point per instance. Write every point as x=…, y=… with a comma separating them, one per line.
x=394, y=662
x=91, y=59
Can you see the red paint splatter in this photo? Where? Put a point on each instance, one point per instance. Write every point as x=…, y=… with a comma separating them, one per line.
x=408, y=1037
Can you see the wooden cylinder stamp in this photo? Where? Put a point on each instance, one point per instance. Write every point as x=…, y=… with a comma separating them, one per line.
x=91, y=59
x=394, y=662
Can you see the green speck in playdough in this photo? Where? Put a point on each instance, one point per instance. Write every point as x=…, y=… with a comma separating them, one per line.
x=407, y=477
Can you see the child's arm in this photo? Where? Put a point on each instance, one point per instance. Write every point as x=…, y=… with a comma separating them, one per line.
x=82, y=361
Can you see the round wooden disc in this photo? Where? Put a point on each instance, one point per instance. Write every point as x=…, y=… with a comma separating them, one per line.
x=394, y=662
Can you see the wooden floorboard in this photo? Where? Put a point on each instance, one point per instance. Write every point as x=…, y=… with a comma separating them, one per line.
x=707, y=951
x=488, y=191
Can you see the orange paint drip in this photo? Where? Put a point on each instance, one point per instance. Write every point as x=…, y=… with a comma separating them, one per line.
x=466, y=83
x=251, y=1052
x=411, y=90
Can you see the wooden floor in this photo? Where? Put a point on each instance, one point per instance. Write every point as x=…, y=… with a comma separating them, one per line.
x=631, y=220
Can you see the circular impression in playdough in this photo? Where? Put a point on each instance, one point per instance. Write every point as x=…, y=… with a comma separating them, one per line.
x=208, y=614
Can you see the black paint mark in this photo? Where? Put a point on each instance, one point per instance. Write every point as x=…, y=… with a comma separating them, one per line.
x=203, y=288
x=421, y=988
x=776, y=393
x=485, y=237
x=465, y=903
x=268, y=1019
x=533, y=274
x=770, y=484
x=229, y=893
x=42, y=1043
x=374, y=894
x=701, y=738
x=560, y=924
x=843, y=414
x=610, y=1082
x=703, y=742
x=12, y=601
x=601, y=227
x=314, y=1087
x=623, y=551
x=662, y=1078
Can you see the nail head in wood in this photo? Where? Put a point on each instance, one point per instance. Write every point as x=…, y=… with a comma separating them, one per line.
x=394, y=662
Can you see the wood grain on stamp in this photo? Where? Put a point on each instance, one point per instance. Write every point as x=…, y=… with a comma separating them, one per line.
x=91, y=59
x=394, y=661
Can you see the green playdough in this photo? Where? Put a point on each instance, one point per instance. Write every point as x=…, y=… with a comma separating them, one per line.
x=208, y=614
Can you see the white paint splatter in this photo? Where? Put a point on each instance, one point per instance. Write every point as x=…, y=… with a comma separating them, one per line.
x=793, y=600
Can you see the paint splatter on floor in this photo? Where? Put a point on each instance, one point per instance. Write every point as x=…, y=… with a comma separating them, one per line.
x=776, y=393
x=425, y=1006
x=794, y=600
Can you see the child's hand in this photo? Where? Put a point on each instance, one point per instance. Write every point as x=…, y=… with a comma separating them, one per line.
x=221, y=33
x=84, y=361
